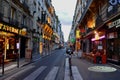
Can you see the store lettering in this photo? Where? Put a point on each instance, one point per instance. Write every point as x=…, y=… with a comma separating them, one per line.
x=115, y=23
x=8, y=28
x=114, y=2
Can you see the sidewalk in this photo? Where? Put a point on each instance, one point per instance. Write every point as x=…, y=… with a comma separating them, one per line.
x=83, y=68
x=15, y=65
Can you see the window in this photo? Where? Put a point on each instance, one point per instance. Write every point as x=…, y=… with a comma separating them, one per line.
x=6, y=9
x=13, y=13
x=23, y=19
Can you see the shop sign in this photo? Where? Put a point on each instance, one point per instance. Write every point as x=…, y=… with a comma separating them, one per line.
x=115, y=23
x=112, y=35
x=73, y=40
x=8, y=28
x=114, y=2
x=78, y=33
x=98, y=38
x=12, y=29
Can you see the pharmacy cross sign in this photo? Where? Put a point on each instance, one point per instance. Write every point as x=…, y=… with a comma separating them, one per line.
x=114, y=2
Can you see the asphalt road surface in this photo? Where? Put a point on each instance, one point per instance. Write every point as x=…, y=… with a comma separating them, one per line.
x=50, y=67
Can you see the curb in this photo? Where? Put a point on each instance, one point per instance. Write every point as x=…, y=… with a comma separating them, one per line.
x=117, y=66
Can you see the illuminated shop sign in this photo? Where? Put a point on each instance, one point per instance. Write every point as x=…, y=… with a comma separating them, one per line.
x=8, y=28
x=114, y=2
x=114, y=23
x=12, y=29
x=93, y=39
x=78, y=33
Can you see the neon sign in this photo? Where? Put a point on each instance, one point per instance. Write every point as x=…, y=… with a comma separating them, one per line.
x=93, y=39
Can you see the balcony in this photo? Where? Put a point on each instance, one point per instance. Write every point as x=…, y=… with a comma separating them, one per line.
x=22, y=5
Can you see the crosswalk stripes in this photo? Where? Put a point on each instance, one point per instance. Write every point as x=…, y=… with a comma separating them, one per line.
x=76, y=74
x=20, y=72
x=9, y=67
x=35, y=74
x=67, y=72
x=52, y=74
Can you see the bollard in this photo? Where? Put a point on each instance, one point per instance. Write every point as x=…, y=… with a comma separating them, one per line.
x=70, y=64
x=17, y=60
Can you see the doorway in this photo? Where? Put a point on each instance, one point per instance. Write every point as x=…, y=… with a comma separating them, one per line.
x=22, y=47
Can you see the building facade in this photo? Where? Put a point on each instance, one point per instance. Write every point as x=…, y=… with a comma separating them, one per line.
x=99, y=27
x=15, y=28
x=27, y=27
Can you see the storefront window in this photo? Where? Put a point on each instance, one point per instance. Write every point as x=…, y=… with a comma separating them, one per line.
x=8, y=45
x=1, y=46
x=113, y=46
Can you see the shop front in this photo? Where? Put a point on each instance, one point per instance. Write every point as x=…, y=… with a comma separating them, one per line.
x=113, y=41
x=8, y=44
x=9, y=41
x=46, y=40
x=99, y=42
x=99, y=49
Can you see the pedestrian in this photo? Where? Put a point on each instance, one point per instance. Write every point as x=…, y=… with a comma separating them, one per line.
x=98, y=57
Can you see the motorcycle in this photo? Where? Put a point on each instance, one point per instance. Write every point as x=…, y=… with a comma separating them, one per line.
x=69, y=51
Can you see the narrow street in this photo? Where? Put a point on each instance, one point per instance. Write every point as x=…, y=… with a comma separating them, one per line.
x=52, y=67
x=59, y=39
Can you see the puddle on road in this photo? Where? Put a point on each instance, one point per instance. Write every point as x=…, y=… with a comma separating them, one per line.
x=102, y=69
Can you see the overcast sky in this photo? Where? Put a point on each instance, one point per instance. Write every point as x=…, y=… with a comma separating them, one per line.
x=65, y=11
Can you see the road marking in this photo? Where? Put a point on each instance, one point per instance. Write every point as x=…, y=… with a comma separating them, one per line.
x=9, y=67
x=67, y=72
x=20, y=72
x=35, y=74
x=76, y=74
x=52, y=74
x=37, y=59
